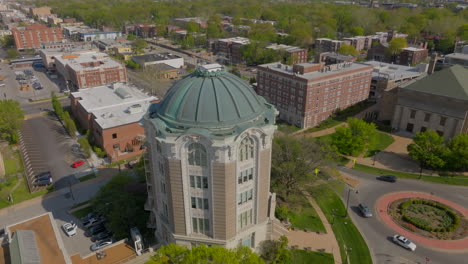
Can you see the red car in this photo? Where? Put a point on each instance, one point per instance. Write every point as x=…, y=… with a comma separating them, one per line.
x=77, y=163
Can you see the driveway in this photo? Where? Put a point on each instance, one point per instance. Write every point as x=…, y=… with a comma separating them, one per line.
x=377, y=234
x=46, y=146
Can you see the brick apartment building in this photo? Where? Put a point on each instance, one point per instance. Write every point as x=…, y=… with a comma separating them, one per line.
x=333, y=58
x=308, y=93
x=328, y=45
x=407, y=56
x=141, y=30
x=297, y=55
x=231, y=48
x=31, y=37
x=89, y=70
x=39, y=11
x=112, y=114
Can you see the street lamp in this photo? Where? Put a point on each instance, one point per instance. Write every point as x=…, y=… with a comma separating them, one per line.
x=333, y=214
x=347, y=201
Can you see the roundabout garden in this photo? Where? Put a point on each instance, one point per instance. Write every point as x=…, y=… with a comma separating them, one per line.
x=429, y=218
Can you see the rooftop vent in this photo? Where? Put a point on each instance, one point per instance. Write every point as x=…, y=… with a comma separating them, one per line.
x=136, y=108
x=107, y=115
x=122, y=93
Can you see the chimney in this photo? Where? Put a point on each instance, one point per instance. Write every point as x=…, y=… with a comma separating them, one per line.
x=432, y=63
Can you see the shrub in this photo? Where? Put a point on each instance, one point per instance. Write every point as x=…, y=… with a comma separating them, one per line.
x=85, y=146
x=423, y=224
x=99, y=152
x=281, y=213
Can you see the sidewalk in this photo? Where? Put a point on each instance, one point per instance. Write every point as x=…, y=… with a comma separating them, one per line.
x=316, y=242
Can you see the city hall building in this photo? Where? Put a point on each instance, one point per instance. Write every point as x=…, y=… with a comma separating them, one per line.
x=208, y=163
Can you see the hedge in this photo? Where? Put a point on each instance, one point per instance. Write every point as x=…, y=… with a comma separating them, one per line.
x=420, y=225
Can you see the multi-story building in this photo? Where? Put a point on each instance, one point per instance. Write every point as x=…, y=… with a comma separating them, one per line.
x=39, y=11
x=359, y=42
x=141, y=30
x=386, y=78
x=159, y=58
x=308, y=93
x=49, y=54
x=52, y=20
x=89, y=70
x=197, y=20
x=328, y=45
x=85, y=33
x=208, y=163
x=31, y=37
x=407, y=56
x=333, y=58
x=112, y=114
x=294, y=54
x=438, y=102
x=456, y=58
x=231, y=48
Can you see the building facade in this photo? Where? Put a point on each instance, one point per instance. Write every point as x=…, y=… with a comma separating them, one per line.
x=39, y=11
x=31, y=37
x=293, y=54
x=208, y=163
x=308, y=93
x=112, y=114
x=423, y=104
x=407, y=56
x=231, y=48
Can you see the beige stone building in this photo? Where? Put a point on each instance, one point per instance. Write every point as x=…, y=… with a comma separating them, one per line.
x=208, y=163
x=438, y=102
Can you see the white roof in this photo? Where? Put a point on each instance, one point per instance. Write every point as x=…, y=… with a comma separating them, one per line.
x=239, y=40
x=461, y=56
x=413, y=49
x=114, y=105
x=79, y=63
x=392, y=71
x=283, y=47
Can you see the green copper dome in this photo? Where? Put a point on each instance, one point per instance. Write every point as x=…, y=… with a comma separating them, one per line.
x=212, y=99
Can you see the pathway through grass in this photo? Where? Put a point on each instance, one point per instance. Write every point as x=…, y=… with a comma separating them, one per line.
x=307, y=257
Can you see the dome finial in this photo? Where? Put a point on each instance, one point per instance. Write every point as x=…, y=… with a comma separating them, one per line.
x=209, y=70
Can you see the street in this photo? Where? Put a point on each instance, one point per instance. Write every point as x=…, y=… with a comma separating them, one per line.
x=377, y=234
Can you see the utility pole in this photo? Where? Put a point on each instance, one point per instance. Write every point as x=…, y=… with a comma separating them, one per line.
x=347, y=202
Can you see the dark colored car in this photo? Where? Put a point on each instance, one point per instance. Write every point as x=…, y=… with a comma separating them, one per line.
x=44, y=182
x=387, y=178
x=365, y=211
x=95, y=230
x=88, y=216
x=101, y=236
x=93, y=221
x=43, y=176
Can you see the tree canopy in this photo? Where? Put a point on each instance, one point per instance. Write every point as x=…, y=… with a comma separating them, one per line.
x=355, y=138
x=396, y=45
x=428, y=149
x=138, y=45
x=11, y=118
x=176, y=254
x=348, y=50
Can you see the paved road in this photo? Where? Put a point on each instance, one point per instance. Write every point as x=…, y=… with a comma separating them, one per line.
x=377, y=234
x=58, y=205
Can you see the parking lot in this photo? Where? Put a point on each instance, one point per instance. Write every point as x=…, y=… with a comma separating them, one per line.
x=45, y=86
x=46, y=146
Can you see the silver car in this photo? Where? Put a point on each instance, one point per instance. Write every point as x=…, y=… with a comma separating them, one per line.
x=404, y=242
x=365, y=211
x=101, y=244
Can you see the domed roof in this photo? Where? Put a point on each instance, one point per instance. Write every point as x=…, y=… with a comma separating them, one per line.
x=211, y=98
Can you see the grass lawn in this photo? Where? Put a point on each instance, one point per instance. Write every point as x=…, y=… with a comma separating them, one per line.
x=19, y=195
x=346, y=233
x=330, y=122
x=307, y=219
x=82, y=212
x=306, y=257
x=381, y=142
x=287, y=128
x=12, y=161
x=448, y=179
x=87, y=177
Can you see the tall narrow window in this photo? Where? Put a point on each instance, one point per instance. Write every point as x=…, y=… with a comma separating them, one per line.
x=246, y=149
x=197, y=154
x=442, y=120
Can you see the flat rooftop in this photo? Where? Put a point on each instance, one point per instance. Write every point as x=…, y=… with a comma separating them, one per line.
x=156, y=57
x=239, y=40
x=413, y=49
x=82, y=61
x=284, y=47
x=460, y=56
x=49, y=243
x=114, y=105
x=392, y=71
x=334, y=69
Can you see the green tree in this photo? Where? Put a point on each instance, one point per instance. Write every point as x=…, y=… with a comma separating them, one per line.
x=294, y=160
x=355, y=138
x=11, y=118
x=356, y=31
x=348, y=50
x=192, y=27
x=276, y=251
x=176, y=254
x=12, y=53
x=56, y=105
x=7, y=41
x=396, y=45
x=138, y=45
x=131, y=37
x=462, y=32
x=428, y=149
x=69, y=124
x=262, y=32
x=457, y=159
x=446, y=44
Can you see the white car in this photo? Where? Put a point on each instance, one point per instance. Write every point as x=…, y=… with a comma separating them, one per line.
x=69, y=229
x=101, y=244
x=404, y=242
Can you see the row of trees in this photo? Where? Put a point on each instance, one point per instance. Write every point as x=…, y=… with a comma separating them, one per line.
x=63, y=115
x=303, y=21
x=432, y=151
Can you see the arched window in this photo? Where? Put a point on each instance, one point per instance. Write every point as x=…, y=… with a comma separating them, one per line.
x=246, y=149
x=197, y=154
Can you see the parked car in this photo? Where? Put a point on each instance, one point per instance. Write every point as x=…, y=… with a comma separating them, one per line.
x=100, y=236
x=94, y=230
x=93, y=221
x=101, y=244
x=78, y=163
x=43, y=176
x=404, y=242
x=387, y=178
x=365, y=211
x=44, y=182
x=69, y=228
x=131, y=164
x=88, y=216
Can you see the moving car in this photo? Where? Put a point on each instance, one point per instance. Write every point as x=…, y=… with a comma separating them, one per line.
x=94, y=230
x=387, y=178
x=404, y=242
x=101, y=244
x=69, y=228
x=365, y=211
x=78, y=163
x=101, y=236
x=44, y=182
